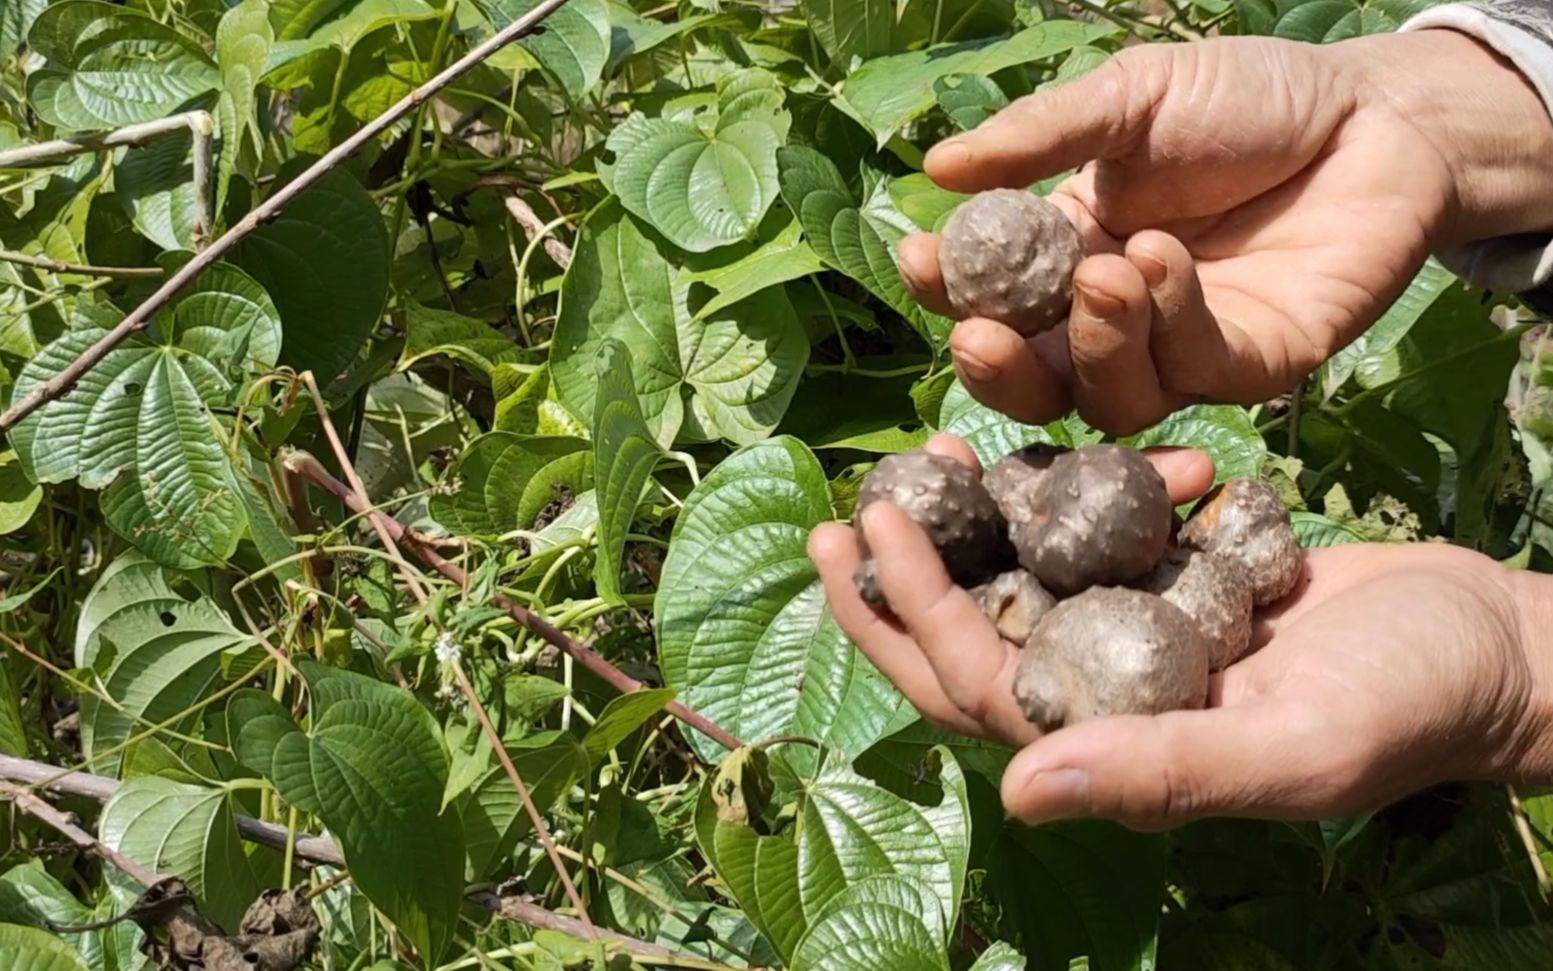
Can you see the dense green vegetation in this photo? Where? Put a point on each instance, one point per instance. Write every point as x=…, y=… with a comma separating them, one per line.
x=613, y=322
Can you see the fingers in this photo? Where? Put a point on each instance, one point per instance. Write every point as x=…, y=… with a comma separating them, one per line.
x=1191, y=349
x=1101, y=114
x=1158, y=772
x=1115, y=385
x=1188, y=473
x=974, y=666
x=953, y=447
x=917, y=257
x=833, y=548
x=1005, y=372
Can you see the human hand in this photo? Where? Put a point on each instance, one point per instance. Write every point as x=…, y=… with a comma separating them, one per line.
x=1250, y=206
x=1390, y=668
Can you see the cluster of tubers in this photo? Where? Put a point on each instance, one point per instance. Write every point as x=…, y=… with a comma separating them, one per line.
x=1075, y=555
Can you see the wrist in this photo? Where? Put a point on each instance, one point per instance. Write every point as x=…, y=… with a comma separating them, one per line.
x=1529, y=758
x=1483, y=117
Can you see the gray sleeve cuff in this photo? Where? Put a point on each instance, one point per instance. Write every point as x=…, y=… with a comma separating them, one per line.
x=1522, y=32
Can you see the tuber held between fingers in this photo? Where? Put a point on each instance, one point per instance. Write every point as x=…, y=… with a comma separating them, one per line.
x=1111, y=651
x=1214, y=592
x=1014, y=602
x=1009, y=255
x=946, y=498
x=1100, y=515
x=1245, y=521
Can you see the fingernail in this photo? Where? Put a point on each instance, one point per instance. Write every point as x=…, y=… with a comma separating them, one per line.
x=974, y=367
x=1101, y=305
x=950, y=151
x=1055, y=794
x=1153, y=268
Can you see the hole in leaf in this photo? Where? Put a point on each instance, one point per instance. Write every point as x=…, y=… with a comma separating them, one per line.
x=168, y=618
x=131, y=389
x=185, y=588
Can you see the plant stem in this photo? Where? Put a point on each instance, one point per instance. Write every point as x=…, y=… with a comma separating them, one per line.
x=46, y=153
x=82, y=269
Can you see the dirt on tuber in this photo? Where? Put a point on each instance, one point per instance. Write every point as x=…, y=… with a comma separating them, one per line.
x=1014, y=601
x=1009, y=255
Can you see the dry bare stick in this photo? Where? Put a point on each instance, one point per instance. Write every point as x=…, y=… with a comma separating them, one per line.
x=312, y=849
x=308, y=468
x=81, y=269
x=47, y=153
x=534, y=227
x=360, y=488
x=263, y=213
x=40, y=808
x=1529, y=841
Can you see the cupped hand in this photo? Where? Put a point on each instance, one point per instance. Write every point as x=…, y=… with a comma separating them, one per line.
x=1391, y=667
x=1250, y=205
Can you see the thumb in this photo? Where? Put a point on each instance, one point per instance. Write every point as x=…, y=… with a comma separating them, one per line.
x=1162, y=771
x=1098, y=115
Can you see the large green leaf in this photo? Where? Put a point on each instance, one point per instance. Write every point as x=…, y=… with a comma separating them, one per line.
x=324, y=260
x=877, y=922
x=704, y=180
x=738, y=366
x=969, y=99
x=857, y=240
x=999, y=957
x=573, y=47
x=621, y=717
x=473, y=343
x=504, y=480
x=140, y=421
x=155, y=184
x=991, y=434
x=1225, y=432
x=30, y=895
x=243, y=41
x=373, y=768
x=852, y=28
x=782, y=257
x=19, y=496
x=16, y=17
x=1080, y=889
x=494, y=819
x=624, y=454
x=30, y=949
x=185, y=831
x=743, y=630
x=1327, y=21
x=1383, y=336
x=888, y=92
x=154, y=651
x=851, y=832
x=110, y=65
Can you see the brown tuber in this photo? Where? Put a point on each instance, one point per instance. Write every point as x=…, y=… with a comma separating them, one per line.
x=946, y=498
x=1111, y=651
x=1214, y=592
x=1014, y=478
x=1100, y=515
x=1245, y=521
x=1014, y=602
x=1009, y=255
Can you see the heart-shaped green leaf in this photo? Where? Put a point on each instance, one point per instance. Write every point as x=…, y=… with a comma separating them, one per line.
x=573, y=47
x=155, y=184
x=858, y=240
x=743, y=630
x=877, y=922
x=781, y=256
x=969, y=99
x=372, y=767
x=704, y=180
x=145, y=411
x=624, y=454
x=110, y=65
x=471, y=342
x=185, y=831
x=739, y=366
x=494, y=819
x=504, y=480
x=324, y=261
x=852, y=28
x=30, y=949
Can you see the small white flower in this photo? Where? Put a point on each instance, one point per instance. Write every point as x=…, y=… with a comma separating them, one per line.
x=447, y=649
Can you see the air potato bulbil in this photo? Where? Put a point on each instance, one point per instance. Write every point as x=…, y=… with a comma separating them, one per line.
x=1009, y=255
x=1014, y=601
x=946, y=498
x=1111, y=651
x=1245, y=521
x=1099, y=515
x=1214, y=592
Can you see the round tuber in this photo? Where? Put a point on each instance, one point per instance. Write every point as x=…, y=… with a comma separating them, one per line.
x=1245, y=521
x=1111, y=651
x=946, y=498
x=1014, y=602
x=1100, y=515
x=1013, y=479
x=1009, y=255
x=1211, y=590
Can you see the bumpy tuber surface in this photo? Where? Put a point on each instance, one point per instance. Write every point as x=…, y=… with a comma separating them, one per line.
x=1214, y=592
x=1100, y=515
x=946, y=498
x=1009, y=255
x=1014, y=602
x=1111, y=651
x=1244, y=520
x=1013, y=479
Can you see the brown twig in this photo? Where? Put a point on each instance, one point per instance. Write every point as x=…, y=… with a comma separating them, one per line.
x=360, y=489
x=81, y=269
x=534, y=228
x=41, y=809
x=308, y=468
x=311, y=849
x=47, y=153
x=66, y=379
